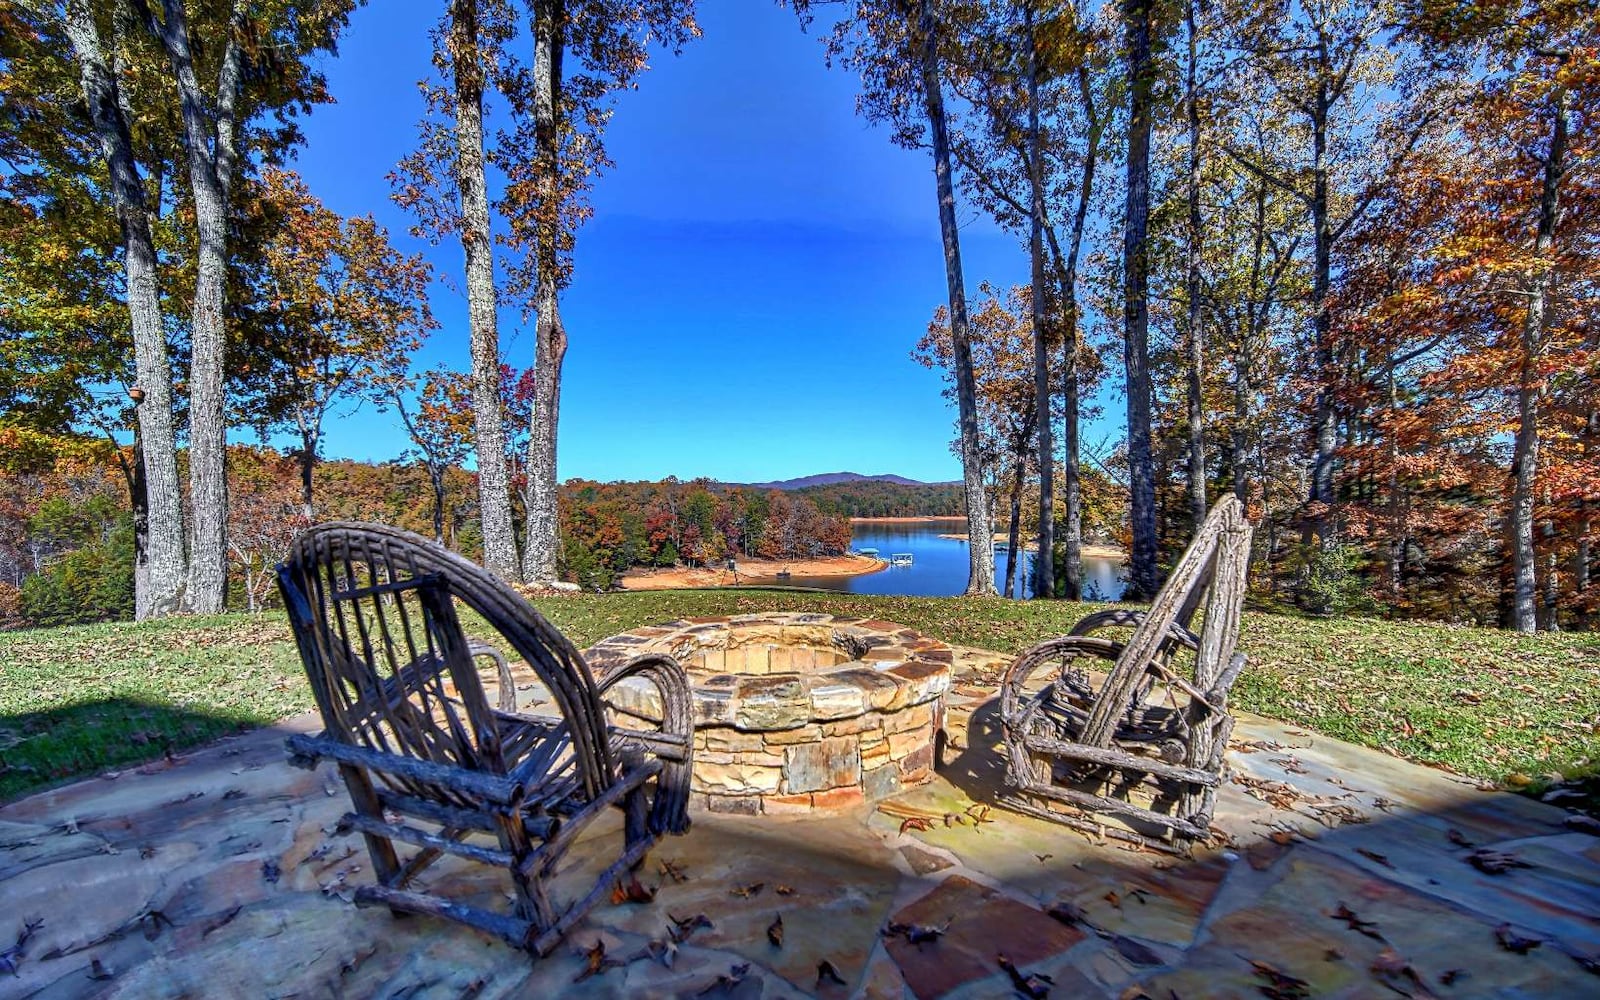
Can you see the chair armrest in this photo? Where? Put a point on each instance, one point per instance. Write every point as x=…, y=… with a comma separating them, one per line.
x=1124, y=618
x=307, y=751
x=508, y=687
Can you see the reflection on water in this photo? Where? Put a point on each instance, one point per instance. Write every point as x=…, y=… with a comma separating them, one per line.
x=939, y=565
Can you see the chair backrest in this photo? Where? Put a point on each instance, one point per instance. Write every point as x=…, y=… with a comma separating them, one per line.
x=374, y=618
x=1211, y=572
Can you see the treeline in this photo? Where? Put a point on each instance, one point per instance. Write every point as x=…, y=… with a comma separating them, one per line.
x=880, y=499
x=609, y=527
x=67, y=530
x=1342, y=257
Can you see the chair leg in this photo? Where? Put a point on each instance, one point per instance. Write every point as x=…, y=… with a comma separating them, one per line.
x=532, y=903
x=385, y=863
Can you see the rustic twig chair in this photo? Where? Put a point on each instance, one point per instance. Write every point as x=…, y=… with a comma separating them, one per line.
x=1140, y=758
x=429, y=763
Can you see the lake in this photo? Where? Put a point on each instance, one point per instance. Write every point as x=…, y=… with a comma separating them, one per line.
x=939, y=565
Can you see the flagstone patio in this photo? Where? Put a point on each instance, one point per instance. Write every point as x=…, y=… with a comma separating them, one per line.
x=1349, y=874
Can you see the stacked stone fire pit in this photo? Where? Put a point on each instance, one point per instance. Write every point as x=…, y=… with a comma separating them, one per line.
x=795, y=712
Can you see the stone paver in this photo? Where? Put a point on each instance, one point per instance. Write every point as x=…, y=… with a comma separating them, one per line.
x=1346, y=870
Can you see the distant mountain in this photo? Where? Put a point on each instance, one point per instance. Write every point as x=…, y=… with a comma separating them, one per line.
x=834, y=478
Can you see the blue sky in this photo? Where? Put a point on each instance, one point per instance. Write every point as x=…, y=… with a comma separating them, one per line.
x=745, y=300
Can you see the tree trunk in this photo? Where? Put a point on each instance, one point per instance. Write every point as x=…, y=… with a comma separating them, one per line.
x=1197, y=441
x=543, y=525
x=1067, y=287
x=436, y=479
x=208, y=129
x=310, y=437
x=494, y=497
x=1530, y=384
x=1143, y=582
x=1043, y=561
x=1013, y=536
x=980, y=533
x=160, y=567
x=1324, y=420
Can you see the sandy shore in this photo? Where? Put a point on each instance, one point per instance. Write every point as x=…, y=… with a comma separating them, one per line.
x=1089, y=549
x=750, y=571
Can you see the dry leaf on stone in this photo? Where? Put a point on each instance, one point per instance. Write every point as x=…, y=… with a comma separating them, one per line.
x=915, y=823
x=1449, y=976
x=1044, y=857
x=784, y=890
x=827, y=975
x=1067, y=912
x=1374, y=856
x=1397, y=974
x=1492, y=862
x=747, y=891
x=1280, y=985
x=1355, y=923
x=775, y=931
x=269, y=871
x=1035, y=985
x=1511, y=941
x=595, y=962
x=97, y=971
x=672, y=870
x=1458, y=838
x=916, y=933
x=631, y=891
x=682, y=929
x=728, y=980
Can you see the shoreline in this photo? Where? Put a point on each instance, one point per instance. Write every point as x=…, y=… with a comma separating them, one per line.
x=919, y=519
x=750, y=571
x=1091, y=550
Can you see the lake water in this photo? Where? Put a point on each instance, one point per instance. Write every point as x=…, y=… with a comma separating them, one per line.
x=939, y=565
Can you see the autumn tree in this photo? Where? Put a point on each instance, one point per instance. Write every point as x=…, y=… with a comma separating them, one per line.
x=1033, y=80
x=1004, y=359
x=343, y=311
x=439, y=423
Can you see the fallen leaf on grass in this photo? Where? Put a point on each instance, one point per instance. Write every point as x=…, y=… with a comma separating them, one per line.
x=1035, y=985
x=1511, y=941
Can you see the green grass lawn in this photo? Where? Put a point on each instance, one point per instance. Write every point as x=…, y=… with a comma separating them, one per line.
x=77, y=701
